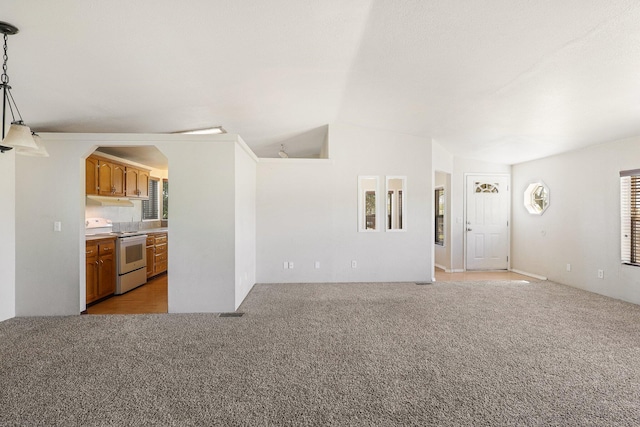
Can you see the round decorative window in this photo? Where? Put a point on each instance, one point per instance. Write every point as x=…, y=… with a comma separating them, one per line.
x=536, y=198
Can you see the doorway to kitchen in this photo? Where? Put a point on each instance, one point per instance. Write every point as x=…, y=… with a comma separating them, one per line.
x=126, y=220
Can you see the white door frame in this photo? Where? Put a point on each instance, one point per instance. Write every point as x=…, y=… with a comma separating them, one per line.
x=464, y=233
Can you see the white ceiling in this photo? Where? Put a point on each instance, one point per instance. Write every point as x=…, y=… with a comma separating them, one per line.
x=496, y=80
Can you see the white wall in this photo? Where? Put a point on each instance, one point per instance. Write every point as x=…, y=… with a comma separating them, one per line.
x=462, y=166
x=202, y=230
x=50, y=265
x=7, y=236
x=307, y=212
x=48, y=262
x=581, y=227
x=245, y=221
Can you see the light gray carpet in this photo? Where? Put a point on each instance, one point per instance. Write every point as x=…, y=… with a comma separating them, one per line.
x=476, y=354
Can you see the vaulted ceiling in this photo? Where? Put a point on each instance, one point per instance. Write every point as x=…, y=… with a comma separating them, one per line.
x=497, y=80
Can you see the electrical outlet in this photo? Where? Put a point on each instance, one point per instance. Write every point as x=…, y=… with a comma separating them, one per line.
x=317, y=265
x=285, y=265
x=290, y=265
x=568, y=267
x=600, y=274
x=354, y=264
x=57, y=226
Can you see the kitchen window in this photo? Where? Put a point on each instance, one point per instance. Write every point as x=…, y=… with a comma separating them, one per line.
x=150, y=208
x=165, y=199
x=439, y=216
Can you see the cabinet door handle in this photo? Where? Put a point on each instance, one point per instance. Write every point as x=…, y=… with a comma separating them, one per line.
x=96, y=262
x=88, y=252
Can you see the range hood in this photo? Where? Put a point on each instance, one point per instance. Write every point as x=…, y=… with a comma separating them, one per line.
x=108, y=201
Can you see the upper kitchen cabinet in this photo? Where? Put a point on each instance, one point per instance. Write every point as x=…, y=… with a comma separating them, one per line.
x=111, y=178
x=106, y=177
x=91, y=172
x=137, y=184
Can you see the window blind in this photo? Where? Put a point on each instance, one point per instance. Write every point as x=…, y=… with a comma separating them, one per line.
x=630, y=217
x=150, y=207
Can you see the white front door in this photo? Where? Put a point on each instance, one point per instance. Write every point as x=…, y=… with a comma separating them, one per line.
x=487, y=222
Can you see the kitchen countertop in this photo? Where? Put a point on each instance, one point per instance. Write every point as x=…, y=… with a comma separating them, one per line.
x=113, y=236
x=156, y=230
x=100, y=237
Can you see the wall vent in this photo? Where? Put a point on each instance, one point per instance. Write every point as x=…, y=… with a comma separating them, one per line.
x=233, y=314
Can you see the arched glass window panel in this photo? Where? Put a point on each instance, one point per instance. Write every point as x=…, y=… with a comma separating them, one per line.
x=484, y=187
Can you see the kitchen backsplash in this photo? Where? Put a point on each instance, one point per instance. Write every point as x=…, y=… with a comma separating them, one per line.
x=116, y=213
x=136, y=225
x=123, y=218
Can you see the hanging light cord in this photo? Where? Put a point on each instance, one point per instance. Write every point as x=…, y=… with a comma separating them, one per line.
x=4, y=79
x=5, y=76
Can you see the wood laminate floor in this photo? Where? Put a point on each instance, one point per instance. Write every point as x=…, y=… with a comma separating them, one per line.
x=474, y=276
x=148, y=298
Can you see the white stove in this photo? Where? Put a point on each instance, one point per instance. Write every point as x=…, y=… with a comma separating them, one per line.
x=96, y=226
x=131, y=253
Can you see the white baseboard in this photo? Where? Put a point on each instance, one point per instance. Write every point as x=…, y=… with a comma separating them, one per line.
x=524, y=273
x=448, y=270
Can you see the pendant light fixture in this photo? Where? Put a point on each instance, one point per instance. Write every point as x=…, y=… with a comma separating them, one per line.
x=19, y=135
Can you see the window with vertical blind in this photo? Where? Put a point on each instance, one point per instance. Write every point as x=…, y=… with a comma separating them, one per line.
x=630, y=217
x=150, y=207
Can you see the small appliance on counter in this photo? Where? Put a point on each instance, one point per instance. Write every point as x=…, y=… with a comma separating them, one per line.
x=131, y=253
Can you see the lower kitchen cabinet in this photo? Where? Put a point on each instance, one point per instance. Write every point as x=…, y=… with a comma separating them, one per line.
x=101, y=268
x=157, y=253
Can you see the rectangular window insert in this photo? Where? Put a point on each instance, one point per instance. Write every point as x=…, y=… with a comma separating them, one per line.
x=370, y=210
x=630, y=217
x=150, y=207
x=165, y=199
x=439, y=215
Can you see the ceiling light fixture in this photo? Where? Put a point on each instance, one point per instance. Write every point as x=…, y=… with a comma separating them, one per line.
x=207, y=131
x=283, y=153
x=19, y=135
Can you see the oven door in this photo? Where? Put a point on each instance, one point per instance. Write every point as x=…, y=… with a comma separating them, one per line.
x=132, y=253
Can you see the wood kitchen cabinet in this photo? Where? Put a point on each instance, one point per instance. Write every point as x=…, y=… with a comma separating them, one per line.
x=106, y=177
x=150, y=254
x=111, y=178
x=157, y=253
x=101, y=268
x=92, y=271
x=91, y=173
x=137, y=183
